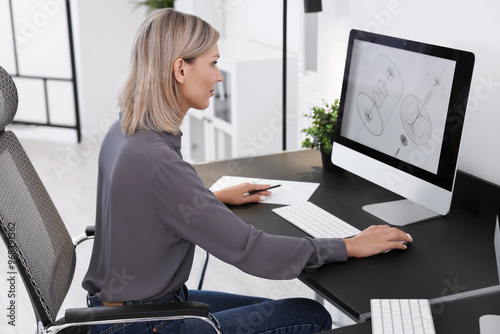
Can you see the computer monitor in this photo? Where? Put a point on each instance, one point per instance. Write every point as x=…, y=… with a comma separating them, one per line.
x=401, y=115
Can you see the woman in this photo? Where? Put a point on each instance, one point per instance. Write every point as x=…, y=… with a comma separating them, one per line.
x=152, y=208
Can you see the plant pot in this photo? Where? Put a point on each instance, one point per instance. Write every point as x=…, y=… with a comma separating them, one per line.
x=326, y=159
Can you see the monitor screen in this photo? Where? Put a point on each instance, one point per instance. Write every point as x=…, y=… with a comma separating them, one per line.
x=401, y=115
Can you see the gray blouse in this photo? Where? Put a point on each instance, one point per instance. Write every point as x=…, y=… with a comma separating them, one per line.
x=152, y=209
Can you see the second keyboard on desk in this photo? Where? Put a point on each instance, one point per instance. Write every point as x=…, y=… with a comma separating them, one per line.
x=395, y=316
x=315, y=221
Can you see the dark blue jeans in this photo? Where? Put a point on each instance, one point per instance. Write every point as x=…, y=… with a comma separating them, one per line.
x=236, y=315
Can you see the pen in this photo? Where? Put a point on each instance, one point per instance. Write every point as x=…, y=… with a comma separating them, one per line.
x=258, y=191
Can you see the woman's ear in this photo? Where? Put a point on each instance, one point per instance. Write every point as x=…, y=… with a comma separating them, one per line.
x=180, y=70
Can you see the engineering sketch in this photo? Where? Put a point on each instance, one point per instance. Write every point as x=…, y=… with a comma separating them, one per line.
x=381, y=96
x=404, y=142
x=414, y=116
x=376, y=107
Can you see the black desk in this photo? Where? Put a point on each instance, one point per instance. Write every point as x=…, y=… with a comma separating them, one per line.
x=451, y=254
x=461, y=316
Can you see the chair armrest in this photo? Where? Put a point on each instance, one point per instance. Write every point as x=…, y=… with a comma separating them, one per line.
x=90, y=230
x=137, y=311
x=87, y=235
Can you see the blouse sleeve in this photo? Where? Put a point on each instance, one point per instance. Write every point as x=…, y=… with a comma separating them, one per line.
x=192, y=212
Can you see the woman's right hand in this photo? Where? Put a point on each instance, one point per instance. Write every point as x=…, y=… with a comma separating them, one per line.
x=376, y=239
x=236, y=195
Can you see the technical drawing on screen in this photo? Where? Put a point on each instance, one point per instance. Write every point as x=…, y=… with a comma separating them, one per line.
x=401, y=117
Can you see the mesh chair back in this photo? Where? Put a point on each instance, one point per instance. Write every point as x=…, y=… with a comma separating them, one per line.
x=31, y=226
x=8, y=99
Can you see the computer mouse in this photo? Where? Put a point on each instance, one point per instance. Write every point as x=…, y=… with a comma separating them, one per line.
x=401, y=241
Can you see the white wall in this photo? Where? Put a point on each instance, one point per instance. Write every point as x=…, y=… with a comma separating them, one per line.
x=467, y=25
x=104, y=32
x=261, y=21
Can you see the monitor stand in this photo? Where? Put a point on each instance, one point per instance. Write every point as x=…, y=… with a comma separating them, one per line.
x=401, y=212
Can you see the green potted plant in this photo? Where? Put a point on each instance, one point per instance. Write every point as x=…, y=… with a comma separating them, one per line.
x=156, y=4
x=322, y=130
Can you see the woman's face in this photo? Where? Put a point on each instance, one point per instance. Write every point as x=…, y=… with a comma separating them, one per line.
x=200, y=76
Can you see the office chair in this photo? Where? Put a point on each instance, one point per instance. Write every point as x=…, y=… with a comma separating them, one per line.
x=44, y=252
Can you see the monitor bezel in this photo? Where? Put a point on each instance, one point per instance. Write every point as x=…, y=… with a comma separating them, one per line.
x=444, y=178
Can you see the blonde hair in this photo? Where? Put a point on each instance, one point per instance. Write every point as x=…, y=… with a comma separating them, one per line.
x=151, y=99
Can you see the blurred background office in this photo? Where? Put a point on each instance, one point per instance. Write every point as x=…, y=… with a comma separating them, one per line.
x=68, y=73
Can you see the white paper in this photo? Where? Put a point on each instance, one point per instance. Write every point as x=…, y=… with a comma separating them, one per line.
x=289, y=193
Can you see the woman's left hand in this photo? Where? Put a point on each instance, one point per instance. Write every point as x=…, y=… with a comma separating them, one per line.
x=235, y=195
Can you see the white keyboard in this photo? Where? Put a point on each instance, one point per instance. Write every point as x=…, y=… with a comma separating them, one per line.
x=395, y=316
x=315, y=221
